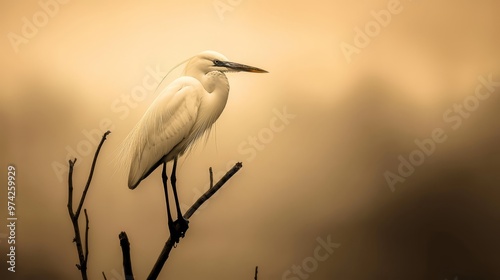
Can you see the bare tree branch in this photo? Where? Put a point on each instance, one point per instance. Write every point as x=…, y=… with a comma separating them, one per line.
x=70, y=188
x=104, y=275
x=127, y=263
x=86, y=236
x=91, y=173
x=74, y=220
x=211, y=177
x=82, y=254
x=209, y=193
x=256, y=272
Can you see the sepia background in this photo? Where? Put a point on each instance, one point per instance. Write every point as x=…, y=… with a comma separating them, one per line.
x=317, y=136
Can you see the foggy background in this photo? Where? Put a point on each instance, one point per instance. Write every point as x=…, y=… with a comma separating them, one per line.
x=320, y=175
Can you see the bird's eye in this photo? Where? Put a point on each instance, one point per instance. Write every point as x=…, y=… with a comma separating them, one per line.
x=216, y=62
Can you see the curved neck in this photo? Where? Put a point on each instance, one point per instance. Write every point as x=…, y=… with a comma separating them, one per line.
x=215, y=98
x=217, y=86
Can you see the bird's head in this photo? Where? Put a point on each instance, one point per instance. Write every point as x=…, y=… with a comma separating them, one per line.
x=209, y=61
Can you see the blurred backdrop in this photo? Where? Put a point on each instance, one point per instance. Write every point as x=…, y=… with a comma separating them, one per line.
x=370, y=150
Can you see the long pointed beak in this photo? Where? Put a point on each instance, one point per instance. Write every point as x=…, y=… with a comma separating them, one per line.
x=233, y=66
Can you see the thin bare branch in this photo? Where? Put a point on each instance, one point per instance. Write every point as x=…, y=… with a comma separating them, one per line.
x=104, y=275
x=212, y=190
x=82, y=253
x=74, y=220
x=86, y=236
x=70, y=188
x=209, y=193
x=211, y=177
x=91, y=173
x=256, y=272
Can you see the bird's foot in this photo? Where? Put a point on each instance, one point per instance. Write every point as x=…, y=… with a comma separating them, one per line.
x=178, y=229
x=181, y=225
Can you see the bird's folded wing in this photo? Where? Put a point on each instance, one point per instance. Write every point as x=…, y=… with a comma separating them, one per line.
x=165, y=126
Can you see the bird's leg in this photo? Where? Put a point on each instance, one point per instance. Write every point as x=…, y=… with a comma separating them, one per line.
x=171, y=224
x=181, y=224
x=173, y=180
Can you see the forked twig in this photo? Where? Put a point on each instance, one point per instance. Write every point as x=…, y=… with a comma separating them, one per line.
x=83, y=254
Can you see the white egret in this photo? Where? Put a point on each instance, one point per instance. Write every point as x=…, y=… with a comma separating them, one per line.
x=181, y=114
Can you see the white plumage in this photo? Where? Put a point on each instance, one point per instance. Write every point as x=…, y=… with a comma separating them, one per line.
x=181, y=114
